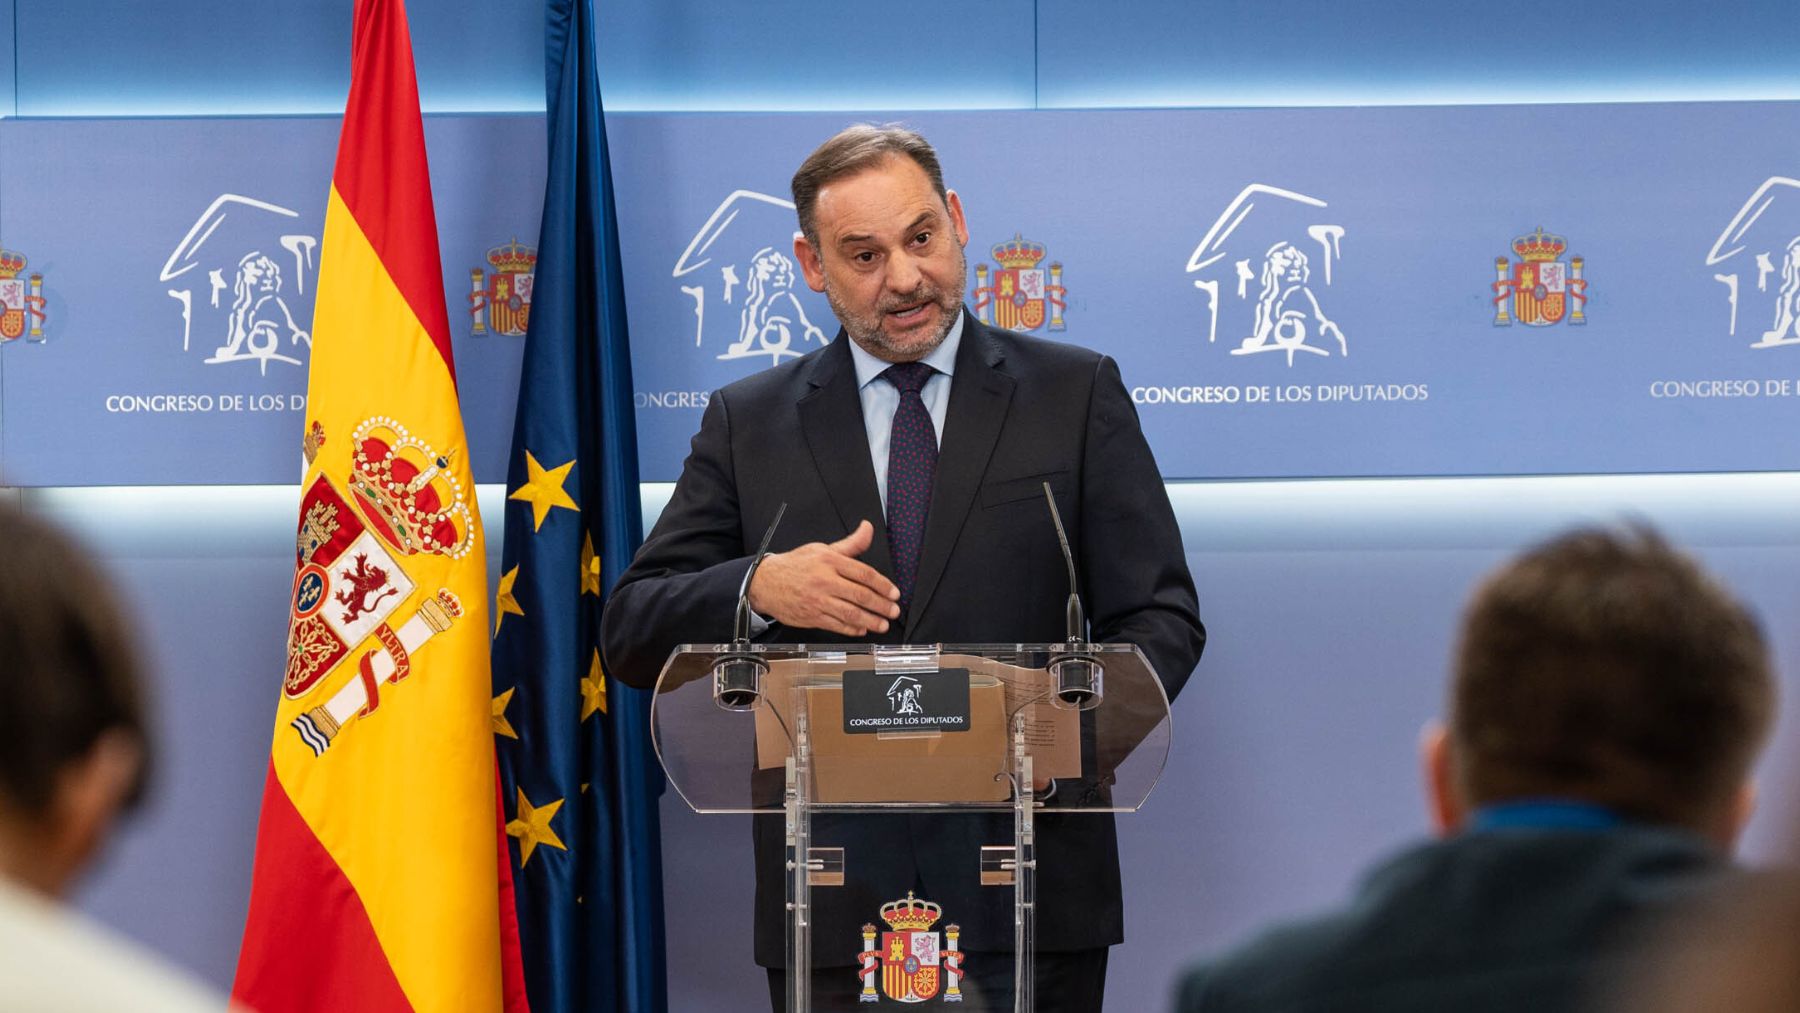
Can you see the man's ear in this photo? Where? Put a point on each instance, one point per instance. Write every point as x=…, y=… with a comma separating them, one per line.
x=1437, y=761
x=89, y=794
x=954, y=203
x=807, y=256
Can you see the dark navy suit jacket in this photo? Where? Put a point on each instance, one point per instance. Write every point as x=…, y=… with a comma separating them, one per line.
x=1505, y=920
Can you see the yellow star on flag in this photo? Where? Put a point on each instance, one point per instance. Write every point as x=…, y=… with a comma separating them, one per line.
x=504, y=601
x=532, y=827
x=501, y=725
x=590, y=567
x=593, y=689
x=544, y=489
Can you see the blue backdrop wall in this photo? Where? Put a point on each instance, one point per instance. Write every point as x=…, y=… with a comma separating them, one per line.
x=1331, y=602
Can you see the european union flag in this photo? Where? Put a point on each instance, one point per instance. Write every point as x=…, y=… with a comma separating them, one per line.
x=579, y=777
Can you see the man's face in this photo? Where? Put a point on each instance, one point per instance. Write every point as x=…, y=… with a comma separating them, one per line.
x=890, y=258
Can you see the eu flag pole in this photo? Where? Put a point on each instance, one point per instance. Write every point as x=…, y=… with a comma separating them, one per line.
x=579, y=778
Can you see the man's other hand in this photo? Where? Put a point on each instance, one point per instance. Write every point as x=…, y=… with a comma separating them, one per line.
x=825, y=587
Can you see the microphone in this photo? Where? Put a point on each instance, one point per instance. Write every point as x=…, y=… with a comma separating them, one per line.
x=741, y=625
x=738, y=674
x=1075, y=619
x=1077, y=675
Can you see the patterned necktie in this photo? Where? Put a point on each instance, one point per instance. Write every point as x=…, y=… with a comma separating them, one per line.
x=912, y=462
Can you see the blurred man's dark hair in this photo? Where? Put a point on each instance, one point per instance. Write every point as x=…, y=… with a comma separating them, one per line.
x=70, y=692
x=1606, y=666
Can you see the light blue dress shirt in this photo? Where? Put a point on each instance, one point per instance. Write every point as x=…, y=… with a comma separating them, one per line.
x=880, y=399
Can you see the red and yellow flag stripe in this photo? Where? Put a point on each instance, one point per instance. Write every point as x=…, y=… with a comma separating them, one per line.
x=380, y=878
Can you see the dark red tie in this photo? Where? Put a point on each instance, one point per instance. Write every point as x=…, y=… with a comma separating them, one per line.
x=912, y=462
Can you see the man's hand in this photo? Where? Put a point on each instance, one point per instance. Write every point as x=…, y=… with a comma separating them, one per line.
x=825, y=587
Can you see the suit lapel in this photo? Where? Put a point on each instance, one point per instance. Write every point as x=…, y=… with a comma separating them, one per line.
x=979, y=396
x=831, y=420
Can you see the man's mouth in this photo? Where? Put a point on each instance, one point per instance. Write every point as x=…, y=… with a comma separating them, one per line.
x=910, y=315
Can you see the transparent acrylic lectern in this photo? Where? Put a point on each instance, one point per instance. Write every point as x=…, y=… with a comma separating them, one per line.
x=797, y=730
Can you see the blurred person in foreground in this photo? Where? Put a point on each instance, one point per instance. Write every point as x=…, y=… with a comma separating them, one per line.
x=73, y=755
x=1608, y=701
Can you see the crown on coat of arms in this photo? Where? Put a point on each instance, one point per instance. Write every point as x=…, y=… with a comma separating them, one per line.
x=1539, y=247
x=910, y=914
x=513, y=258
x=407, y=490
x=1018, y=253
x=11, y=264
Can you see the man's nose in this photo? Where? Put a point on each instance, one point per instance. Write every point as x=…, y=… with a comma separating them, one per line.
x=903, y=274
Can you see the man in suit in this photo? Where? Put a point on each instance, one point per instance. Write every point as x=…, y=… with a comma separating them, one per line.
x=1607, y=704
x=912, y=459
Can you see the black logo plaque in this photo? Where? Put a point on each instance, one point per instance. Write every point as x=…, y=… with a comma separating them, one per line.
x=935, y=701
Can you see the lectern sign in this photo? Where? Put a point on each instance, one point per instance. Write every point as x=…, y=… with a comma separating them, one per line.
x=907, y=701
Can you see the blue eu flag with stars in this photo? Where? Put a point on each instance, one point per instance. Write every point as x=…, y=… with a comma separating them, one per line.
x=578, y=775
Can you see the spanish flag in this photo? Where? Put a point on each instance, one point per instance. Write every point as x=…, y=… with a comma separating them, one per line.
x=380, y=879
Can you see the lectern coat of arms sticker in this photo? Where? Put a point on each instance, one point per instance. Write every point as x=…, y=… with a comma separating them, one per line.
x=912, y=964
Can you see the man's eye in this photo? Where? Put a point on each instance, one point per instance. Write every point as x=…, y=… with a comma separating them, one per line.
x=865, y=257
x=921, y=239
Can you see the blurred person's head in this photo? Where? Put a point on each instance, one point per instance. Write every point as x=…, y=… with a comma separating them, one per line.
x=73, y=745
x=1604, y=667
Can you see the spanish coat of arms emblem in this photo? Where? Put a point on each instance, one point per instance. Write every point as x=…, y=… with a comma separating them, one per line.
x=911, y=962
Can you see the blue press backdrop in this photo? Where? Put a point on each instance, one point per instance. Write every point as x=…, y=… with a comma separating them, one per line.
x=1330, y=602
x=1326, y=291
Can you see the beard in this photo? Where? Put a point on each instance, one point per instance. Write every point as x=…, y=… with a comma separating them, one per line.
x=870, y=330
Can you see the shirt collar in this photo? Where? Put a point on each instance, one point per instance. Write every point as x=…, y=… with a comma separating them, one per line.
x=1545, y=814
x=942, y=358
